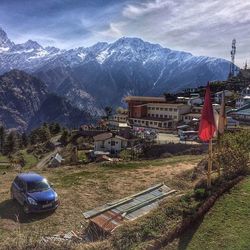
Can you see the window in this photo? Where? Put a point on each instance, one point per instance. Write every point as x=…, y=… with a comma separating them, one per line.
x=157, y=115
x=37, y=186
x=161, y=116
x=116, y=142
x=153, y=115
x=175, y=110
x=157, y=108
x=165, y=116
x=161, y=108
x=155, y=123
x=112, y=143
x=142, y=121
x=175, y=117
x=170, y=109
x=19, y=183
x=170, y=116
x=151, y=122
x=166, y=109
x=153, y=108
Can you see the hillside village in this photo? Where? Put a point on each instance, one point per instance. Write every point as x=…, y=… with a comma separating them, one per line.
x=175, y=114
x=123, y=170
x=124, y=125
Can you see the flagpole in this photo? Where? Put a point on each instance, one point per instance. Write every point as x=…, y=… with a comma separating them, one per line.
x=219, y=149
x=209, y=167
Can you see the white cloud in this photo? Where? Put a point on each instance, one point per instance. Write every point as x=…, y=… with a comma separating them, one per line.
x=114, y=30
x=202, y=27
x=134, y=11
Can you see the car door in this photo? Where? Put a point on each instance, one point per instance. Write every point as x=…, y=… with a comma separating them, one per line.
x=19, y=193
x=16, y=189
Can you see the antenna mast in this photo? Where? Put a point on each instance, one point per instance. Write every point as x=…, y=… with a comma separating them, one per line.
x=233, y=52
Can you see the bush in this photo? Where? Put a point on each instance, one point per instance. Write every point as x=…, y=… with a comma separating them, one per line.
x=232, y=153
x=129, y=154
x=200, y=193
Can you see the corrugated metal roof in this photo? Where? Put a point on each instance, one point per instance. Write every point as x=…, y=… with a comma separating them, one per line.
x=111, y=215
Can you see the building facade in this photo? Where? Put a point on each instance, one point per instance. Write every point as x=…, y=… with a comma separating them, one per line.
x=155, y=112
x=118, y=120
x=107, y=142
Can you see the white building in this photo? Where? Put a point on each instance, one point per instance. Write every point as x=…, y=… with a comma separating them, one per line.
x=218, y=95
x=118, y=120
x=108, y=142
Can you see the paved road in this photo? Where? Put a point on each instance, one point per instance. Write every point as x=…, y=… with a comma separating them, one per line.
x=164, y=138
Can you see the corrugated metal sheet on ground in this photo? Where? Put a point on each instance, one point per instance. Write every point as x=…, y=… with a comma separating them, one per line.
x=111, y=215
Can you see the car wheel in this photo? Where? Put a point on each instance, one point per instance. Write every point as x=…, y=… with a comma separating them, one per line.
x=26, y=208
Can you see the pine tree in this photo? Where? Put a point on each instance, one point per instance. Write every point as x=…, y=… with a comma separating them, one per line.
x=64, y=137
x=10, y=144
x=24, y=140
x=2, y=136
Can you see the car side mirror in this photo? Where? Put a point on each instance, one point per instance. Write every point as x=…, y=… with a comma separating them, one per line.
x=52, y=185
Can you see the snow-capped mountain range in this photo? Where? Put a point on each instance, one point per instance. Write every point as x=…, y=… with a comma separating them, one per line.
x=104, y=73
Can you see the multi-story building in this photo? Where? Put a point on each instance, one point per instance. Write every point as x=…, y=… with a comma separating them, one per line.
x=118, y=120
x=155, y=112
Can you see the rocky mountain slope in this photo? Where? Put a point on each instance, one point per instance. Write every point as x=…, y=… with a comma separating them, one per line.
x=103, y=74
x=20, y=97
x=58, y=109
x=26, y=103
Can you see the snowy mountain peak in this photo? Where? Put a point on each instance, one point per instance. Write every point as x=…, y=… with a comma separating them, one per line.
x=52, y=49
x=5, y=42
x=27, y=46
x=98, y=46
x=135, y=43
x=30, y=44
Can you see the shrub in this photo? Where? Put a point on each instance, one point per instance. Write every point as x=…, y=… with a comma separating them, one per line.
x=232, y=153
x=200, y=193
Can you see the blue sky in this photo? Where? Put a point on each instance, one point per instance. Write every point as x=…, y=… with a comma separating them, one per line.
x=201, y=27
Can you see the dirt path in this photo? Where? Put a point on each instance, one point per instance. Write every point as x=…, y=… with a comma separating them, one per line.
x=44, y=161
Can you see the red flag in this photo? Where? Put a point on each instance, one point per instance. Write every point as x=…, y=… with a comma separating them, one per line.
x=207, y=126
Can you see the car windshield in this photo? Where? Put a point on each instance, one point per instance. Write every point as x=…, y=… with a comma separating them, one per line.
x=37, y=186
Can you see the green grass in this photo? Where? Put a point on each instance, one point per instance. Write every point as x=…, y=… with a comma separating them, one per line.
x=82, y=156
x=3, y=158
x=72, y=179
x=30, y=159
x=226, y=226
x=105, y=169
x=153, y=163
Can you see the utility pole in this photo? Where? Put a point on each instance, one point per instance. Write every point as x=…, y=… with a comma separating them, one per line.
x=232, y=65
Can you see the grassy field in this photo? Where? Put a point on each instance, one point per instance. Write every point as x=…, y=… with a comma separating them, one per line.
x=226, y=226
x=30, y=160
x=85, y=187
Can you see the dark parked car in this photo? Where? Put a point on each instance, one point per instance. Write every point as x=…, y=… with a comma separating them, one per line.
x=34, y=193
